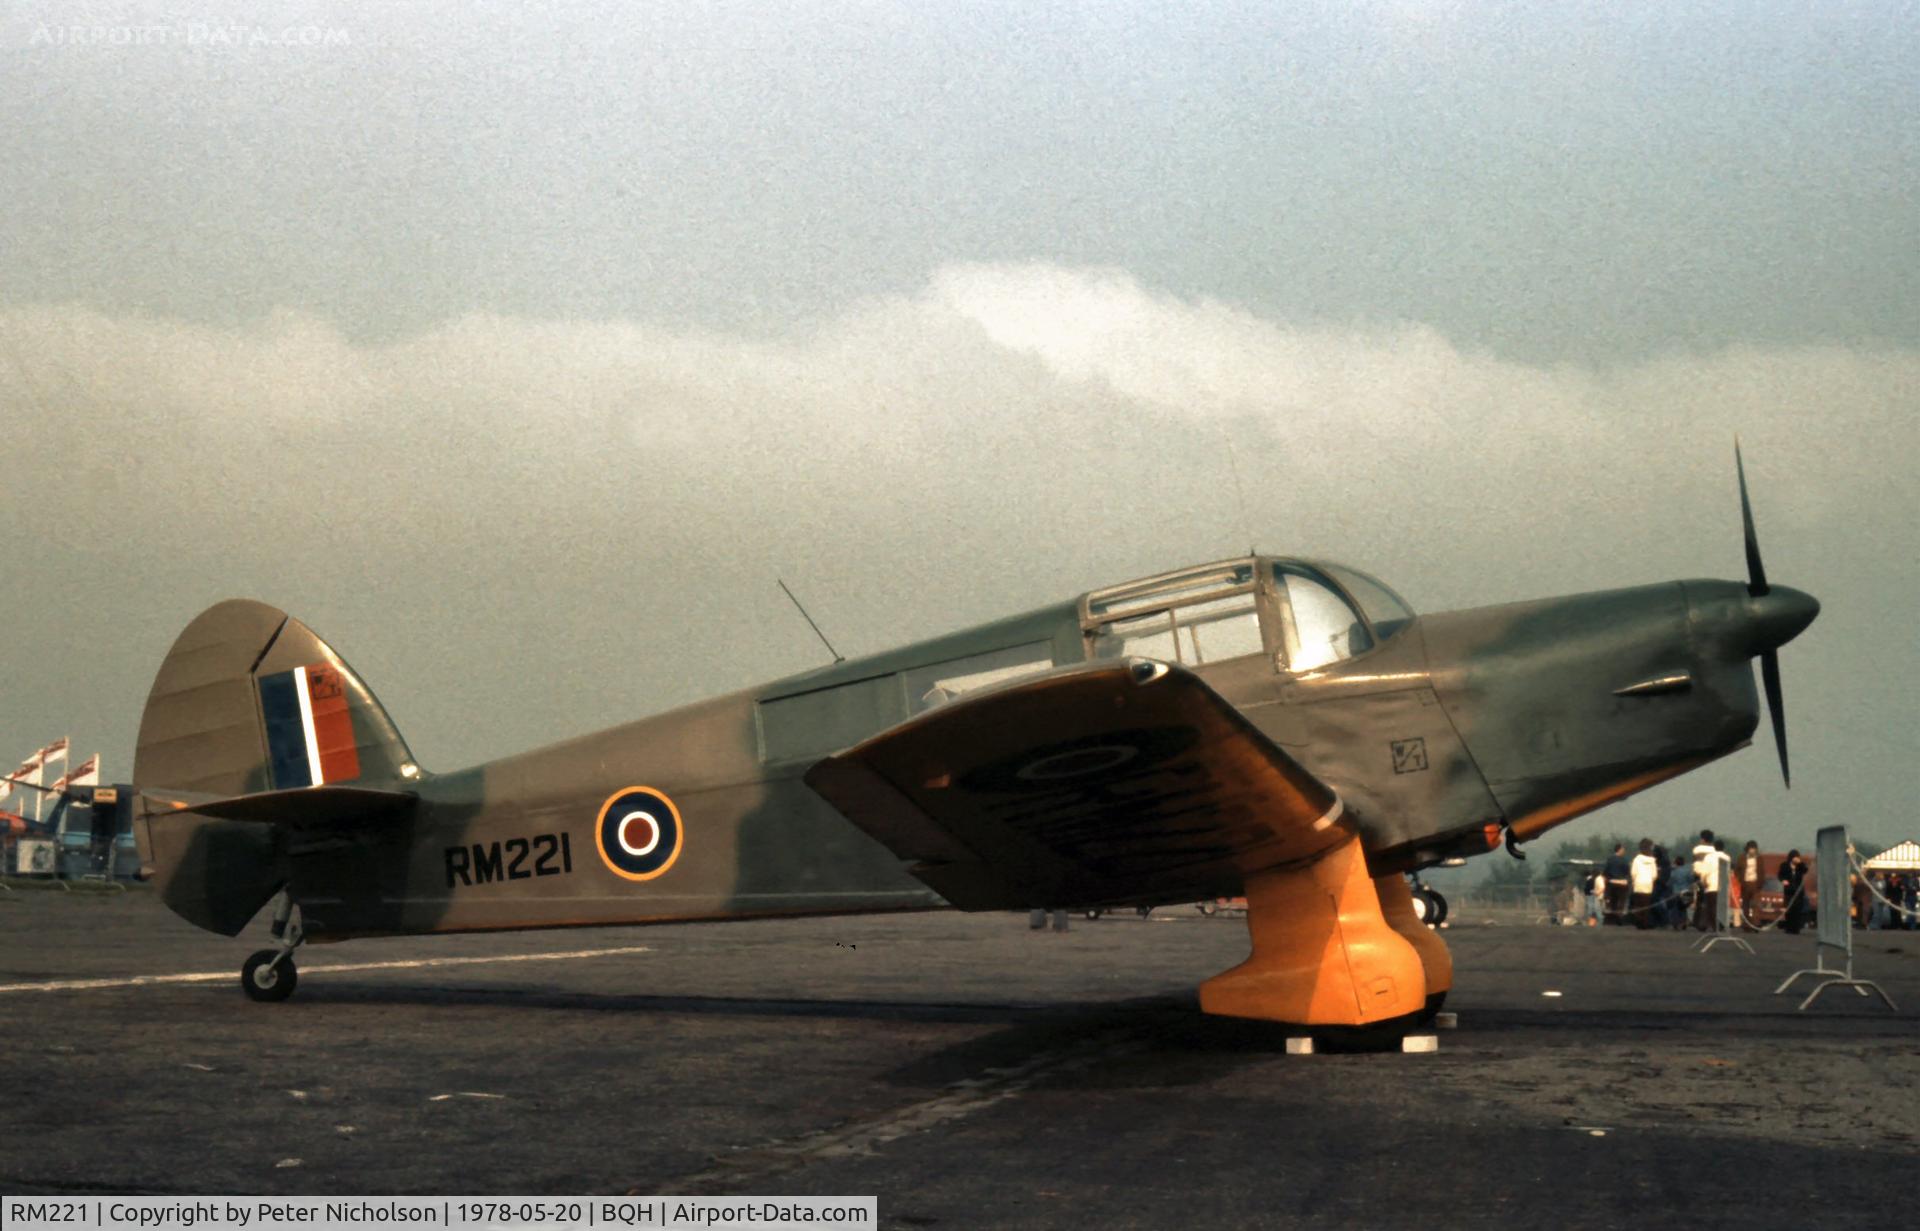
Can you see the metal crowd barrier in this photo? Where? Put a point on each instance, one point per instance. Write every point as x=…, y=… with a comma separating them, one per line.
x=1723, y=916
x=1835, y=930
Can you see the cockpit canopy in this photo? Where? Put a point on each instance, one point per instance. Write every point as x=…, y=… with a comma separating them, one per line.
x=1302, y=614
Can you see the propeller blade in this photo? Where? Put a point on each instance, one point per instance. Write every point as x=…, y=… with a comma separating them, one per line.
x=1770, y=680
x=1756, y=572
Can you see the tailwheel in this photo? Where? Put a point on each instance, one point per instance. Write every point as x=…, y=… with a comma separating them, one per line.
x=265, y=979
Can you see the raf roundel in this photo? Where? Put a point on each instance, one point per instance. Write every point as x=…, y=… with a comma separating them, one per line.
x=638, y=833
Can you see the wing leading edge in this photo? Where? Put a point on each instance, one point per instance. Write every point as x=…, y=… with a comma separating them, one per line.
x=1107, y=783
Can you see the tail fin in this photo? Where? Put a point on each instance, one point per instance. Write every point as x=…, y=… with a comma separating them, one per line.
x=249, y=700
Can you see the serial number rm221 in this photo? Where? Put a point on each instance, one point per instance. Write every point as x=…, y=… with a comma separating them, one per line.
x=486, y=862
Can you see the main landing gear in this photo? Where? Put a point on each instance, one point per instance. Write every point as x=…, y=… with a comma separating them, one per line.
x=1335, y=950
x=269, y=975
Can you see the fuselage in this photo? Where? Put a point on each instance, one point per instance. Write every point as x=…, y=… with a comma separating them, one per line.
x=1439, y=732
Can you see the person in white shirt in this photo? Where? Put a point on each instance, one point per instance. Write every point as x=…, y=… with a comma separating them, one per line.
x=1706, y=875
x=1644, y=874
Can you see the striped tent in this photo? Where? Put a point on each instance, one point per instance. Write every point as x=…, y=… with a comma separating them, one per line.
x=1902, y=858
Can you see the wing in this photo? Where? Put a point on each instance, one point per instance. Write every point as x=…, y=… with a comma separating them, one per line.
x=1112, y=782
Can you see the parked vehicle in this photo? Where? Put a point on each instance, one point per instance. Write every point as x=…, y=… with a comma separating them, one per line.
x=1222, y=906
x=1771, y=905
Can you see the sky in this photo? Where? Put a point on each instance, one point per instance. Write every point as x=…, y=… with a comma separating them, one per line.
x=519, y=351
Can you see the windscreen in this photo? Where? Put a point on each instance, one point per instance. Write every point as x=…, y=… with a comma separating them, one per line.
x=1385, y=610
x=1321, y=628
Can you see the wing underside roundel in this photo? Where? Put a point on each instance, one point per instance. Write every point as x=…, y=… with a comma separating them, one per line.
x=1125, y=781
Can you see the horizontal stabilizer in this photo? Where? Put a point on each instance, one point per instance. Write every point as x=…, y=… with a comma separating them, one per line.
x=316, y=807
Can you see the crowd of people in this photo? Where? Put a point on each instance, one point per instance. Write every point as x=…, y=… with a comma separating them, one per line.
x=1651, y=889
x=1887, y=900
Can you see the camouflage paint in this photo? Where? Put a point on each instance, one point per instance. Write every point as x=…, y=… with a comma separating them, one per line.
x=1433, y=739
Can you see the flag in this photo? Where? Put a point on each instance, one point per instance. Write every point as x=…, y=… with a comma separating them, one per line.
x=29, y=773
x=87, y=773
x=56, y=751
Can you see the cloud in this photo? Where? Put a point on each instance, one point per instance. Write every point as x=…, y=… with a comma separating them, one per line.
x=974, y=333
x=986, y=390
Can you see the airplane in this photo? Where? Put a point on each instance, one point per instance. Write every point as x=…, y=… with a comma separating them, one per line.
x=1282, y=729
